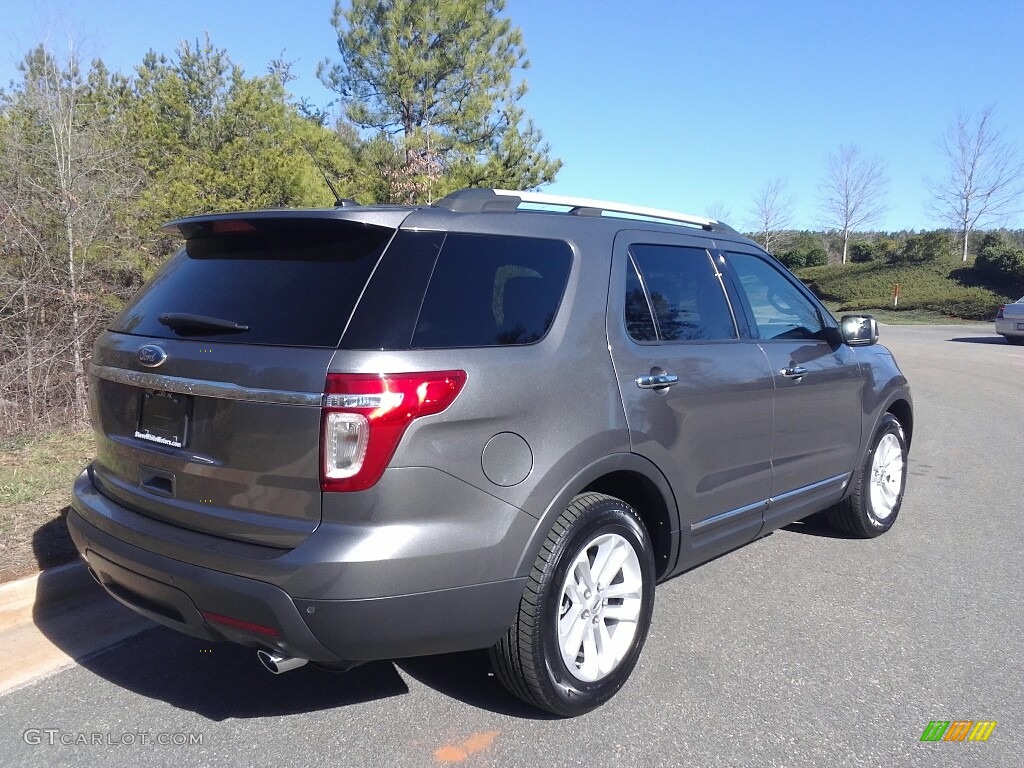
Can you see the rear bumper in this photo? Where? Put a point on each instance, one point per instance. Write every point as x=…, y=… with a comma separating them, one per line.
x=184, y=595
x=1010, y=326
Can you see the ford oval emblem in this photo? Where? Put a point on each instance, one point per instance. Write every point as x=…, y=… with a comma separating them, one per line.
x=151, y=356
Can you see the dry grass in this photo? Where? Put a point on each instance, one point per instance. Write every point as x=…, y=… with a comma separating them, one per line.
x=36, y=474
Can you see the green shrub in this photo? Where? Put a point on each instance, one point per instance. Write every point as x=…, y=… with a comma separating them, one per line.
x=816, y=257
x=969, y=303
x=925, y=248
x=867, y=286
x=885, y=248
x=999, y=261
x=793, y=259
x=861, y=253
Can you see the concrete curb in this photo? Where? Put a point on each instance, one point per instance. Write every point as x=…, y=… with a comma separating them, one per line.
x=62, y=587
x=53, y=619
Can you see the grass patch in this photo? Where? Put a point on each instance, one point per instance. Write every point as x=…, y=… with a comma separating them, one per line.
x=33, y=468
x=936, y=287
x=36, y=474
x=908, y=317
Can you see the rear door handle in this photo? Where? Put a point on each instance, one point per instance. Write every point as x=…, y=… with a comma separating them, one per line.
x=656, y=381
x=795, y=372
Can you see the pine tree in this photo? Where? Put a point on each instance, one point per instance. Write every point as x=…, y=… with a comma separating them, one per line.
x=433, y=80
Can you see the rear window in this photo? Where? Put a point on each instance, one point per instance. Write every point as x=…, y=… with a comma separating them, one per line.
x=292, y=283
x=490, y=290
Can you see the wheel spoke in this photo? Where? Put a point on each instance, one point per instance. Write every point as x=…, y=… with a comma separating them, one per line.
x=606, y=658
x=591, y=666
x=895, y=468
x=575, y=594
x=571, y=629
x=888, y=496
x=609, y=560
x=584, y=576
x=893, y=460
x=629, y=610
x=625, y=589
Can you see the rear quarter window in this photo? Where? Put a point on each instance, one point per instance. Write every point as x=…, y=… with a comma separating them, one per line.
x=492, y=290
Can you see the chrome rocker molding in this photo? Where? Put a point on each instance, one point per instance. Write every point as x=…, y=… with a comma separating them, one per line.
x=710, y=523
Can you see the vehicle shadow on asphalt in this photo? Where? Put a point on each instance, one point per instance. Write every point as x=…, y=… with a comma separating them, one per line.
x=222, y=680
x=981, y=340
x=816, y=525
x=469, y=678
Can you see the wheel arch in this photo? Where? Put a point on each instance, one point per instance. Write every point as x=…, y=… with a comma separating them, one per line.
x=637, y=482
x=904, y=413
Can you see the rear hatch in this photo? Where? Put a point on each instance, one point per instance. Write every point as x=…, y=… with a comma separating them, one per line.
x=206, y=390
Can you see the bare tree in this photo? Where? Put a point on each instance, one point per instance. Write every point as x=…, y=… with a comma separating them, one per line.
x=853, y=192
x=65, y=176
x=718, y=211
x=985, y=176
x=772, y=213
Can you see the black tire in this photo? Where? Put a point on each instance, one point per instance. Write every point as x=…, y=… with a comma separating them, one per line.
x=860, y=514
x=529, y=659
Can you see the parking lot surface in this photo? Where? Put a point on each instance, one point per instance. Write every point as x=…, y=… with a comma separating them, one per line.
x=802, y=649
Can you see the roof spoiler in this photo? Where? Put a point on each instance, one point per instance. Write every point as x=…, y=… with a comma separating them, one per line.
x=280, y=219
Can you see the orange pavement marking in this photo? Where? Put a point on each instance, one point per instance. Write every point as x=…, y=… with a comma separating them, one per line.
x=450, y=754
x=456, y=753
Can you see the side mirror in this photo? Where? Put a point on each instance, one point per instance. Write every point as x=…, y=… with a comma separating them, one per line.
x=859, y=330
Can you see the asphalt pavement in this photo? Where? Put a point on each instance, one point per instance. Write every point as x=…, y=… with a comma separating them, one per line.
x=802, y=649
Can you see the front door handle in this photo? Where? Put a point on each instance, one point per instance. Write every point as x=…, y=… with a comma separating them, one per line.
x=794, y=372
x=656, y=381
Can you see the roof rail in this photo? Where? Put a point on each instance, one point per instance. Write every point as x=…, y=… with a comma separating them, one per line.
x=479, y=200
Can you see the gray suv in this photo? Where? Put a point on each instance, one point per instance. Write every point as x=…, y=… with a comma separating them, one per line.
x=497, y=421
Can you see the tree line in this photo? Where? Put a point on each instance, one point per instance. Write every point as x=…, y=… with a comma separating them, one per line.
x=982, y=186
x=427, y=100
x=92, y=162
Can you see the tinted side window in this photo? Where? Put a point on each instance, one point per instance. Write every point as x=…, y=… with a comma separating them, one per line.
x=780, y=310
x=491, y=290
x=639, y=321
x=686, y=295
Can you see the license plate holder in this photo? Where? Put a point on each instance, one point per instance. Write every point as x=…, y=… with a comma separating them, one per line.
x=164, y=418
x=1020, y=326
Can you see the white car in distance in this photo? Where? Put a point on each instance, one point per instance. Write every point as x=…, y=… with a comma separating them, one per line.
x=1010, y=322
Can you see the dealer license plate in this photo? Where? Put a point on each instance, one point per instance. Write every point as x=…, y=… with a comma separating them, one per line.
x=164, y=418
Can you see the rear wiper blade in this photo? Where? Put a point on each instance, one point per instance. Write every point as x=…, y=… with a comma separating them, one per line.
x=179, y=320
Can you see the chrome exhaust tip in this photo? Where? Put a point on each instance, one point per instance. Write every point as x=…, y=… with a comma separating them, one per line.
x=279, y=664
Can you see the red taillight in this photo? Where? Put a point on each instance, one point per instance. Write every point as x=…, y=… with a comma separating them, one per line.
x=999, y=314
x=365, y=416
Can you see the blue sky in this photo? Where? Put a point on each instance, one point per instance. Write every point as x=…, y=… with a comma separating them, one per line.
x=678, y=105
